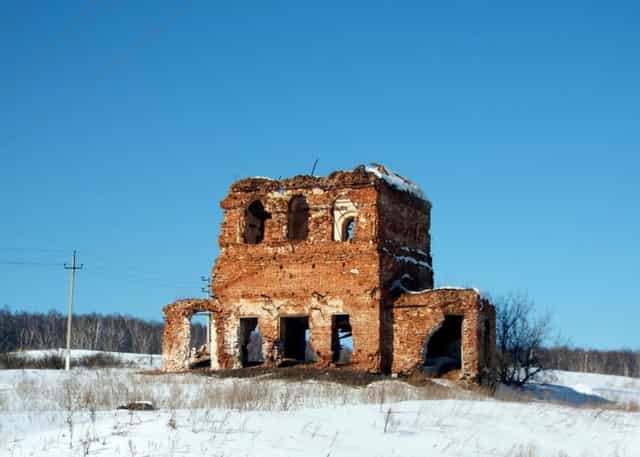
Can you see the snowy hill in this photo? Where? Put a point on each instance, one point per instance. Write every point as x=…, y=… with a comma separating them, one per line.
x=619, y=389
x=51, y=412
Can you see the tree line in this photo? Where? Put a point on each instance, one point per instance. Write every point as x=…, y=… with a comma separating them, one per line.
x=622, y=362
x=102, y=332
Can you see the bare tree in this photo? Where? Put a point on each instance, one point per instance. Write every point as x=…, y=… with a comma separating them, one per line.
x=520, y=336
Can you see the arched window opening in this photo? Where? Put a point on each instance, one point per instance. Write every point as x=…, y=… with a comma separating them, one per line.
x=199, y=340
x=344, y=220
x=443, y=352
x=254, y=218
x=298, y=223
x=349, y=229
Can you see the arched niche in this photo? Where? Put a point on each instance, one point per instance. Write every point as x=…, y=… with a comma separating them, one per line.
x=298, y=219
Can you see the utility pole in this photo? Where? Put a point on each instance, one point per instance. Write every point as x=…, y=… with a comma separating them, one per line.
x=211, y=335
x=207, y=290
x=72, y=277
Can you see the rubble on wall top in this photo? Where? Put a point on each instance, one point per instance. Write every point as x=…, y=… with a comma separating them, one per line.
x=335, y=179
x=360, y=176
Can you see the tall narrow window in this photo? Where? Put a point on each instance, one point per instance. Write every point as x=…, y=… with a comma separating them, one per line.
x=298, y=223
x=344, y=220
x=250, y=342
x=254, y=218
x=341, y=339
x=349, y=229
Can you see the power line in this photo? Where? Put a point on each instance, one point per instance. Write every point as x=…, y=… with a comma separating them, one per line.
x=124, y=57
x=29, y=263
x=143, y=41
x=40, y=250
x=207, y=287
x=126, y=273
x=52, y=44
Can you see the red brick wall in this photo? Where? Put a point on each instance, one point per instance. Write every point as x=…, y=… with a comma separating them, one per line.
x=416, y=316
x=405, y=240
x=317, y=277
x=175, y=339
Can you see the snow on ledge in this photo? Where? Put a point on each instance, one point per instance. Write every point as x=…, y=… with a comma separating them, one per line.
x=397, y=284
x=456, y=288
x=395, y=180
x=408, y=259
x=416, y=250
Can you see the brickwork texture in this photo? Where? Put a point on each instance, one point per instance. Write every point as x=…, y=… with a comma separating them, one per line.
x=295, y=253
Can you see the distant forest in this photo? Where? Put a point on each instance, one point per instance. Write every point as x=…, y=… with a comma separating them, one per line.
x=114, y=332
x=111, y=332
x=621, y=362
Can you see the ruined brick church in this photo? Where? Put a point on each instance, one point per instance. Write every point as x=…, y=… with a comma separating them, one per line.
x=332, y=271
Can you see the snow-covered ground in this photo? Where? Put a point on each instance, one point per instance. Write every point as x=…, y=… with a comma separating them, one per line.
x=146, y=361
x=618, y=389
x=53, y=413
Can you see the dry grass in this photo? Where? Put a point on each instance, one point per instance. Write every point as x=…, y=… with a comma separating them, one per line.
x=107, y=389
x=530, y=450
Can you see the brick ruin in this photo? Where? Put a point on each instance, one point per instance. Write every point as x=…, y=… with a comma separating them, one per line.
x=332, y=272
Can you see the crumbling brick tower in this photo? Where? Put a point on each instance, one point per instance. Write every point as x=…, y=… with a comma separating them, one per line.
x=333, y=271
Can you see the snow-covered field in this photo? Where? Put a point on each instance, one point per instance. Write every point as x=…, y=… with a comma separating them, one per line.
x=53, y=413
x=144, y=361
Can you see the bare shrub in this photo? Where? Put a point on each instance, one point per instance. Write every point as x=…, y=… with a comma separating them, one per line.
x=388, y=420
x=106, y=389
x=100, y=360
x=520, y=337
x=172, y=421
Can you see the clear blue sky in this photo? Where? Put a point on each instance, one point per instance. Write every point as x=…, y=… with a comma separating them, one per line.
x=124, y=123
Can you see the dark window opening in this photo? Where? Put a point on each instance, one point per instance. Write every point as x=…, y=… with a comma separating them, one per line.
x=250, y=342
x=254, y=218
x=349, y=229
x=341, y=339
x=487, y=343
x=199, y=341
x=295, y=336
x=298, y=222
x=444, y=349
